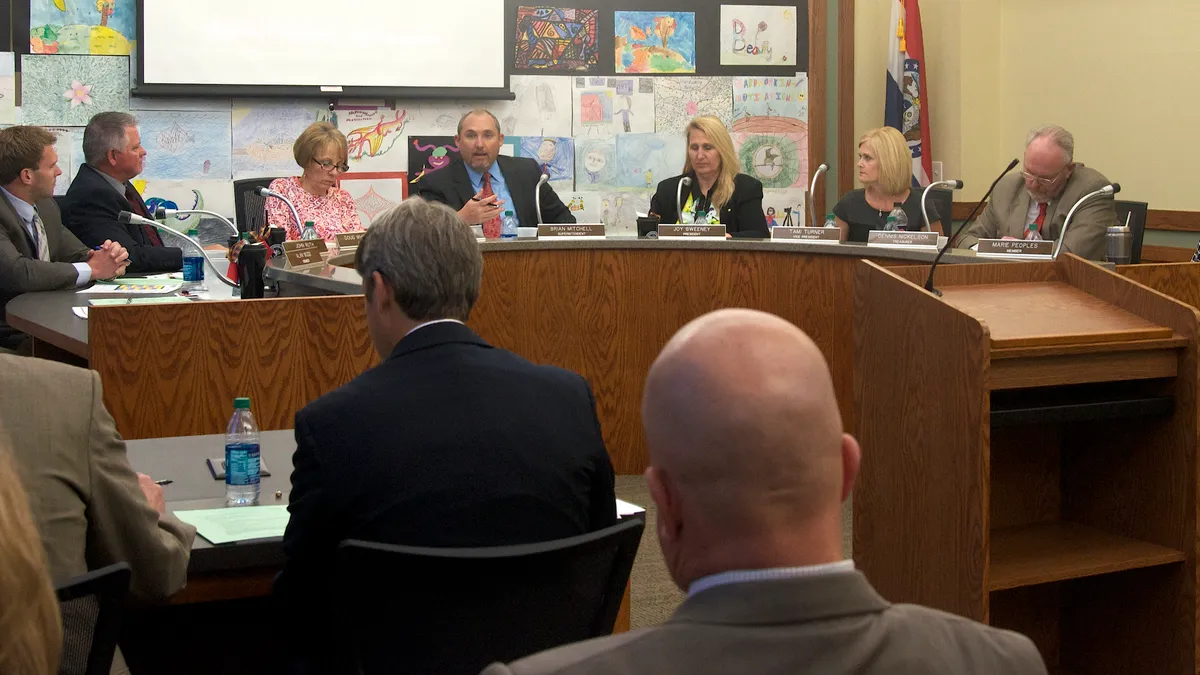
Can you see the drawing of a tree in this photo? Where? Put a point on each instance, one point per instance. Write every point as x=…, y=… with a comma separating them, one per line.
x=106, y=9
x=664, y=28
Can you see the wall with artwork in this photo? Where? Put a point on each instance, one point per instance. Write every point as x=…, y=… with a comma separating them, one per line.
x=602, y=94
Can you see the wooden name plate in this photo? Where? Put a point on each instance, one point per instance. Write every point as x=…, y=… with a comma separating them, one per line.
x=1018, y=249
x=571, y=231
x=902, y=238
x=691, y=231
x=348, y=241
x=304, y=253
x=820, y=235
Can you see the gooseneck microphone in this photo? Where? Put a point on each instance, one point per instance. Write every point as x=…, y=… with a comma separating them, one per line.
x=537, y=195
x=683, y=182
x=162, y=213
x=127, y=217
x=950, y=242
x=1106, y=191
x=812, y=191
x=266, y=192
x=952, y=184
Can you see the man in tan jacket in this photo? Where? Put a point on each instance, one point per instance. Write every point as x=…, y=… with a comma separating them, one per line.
x=749, y=468
x=1039, y=198
x=91, y=508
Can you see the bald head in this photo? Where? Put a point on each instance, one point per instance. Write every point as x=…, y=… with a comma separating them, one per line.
x=739, y=410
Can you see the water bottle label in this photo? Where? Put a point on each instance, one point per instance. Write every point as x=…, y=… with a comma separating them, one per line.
x=193, y=269
x=241, y=464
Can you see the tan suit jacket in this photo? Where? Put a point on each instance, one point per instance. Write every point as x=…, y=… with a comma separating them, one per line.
x=828, y=624
x=1006, y=215
x=84, y=495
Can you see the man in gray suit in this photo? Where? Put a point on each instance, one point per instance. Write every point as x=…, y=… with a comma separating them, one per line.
x=1038, y=199
x=90, y=507
x=36, y=252
x=749, y=468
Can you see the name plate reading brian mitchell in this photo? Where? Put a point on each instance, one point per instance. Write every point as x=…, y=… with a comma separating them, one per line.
x=1015, y=248
x=304, y=253
x=348, y=241
x=571, y=231
x=818, y=235
x=691, y=231
x=902, y=238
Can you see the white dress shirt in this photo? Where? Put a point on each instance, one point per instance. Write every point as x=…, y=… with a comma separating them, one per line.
x=769, y=574
x=430, y=323
x=25, y=211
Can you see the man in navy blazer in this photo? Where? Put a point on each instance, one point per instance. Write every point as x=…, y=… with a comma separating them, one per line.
x=113, y=151
x=449, y=442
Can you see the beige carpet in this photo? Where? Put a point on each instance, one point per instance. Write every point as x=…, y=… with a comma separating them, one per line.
x=654, y=596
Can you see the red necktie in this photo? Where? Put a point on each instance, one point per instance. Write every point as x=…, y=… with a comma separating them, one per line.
x=1041, y=219
x=135, y=203
x=491, y=228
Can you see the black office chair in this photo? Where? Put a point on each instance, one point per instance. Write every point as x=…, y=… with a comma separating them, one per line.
x=455, y=610
x=942, y=202
x=1136, y=212
x=92, y=606
x=250, y=209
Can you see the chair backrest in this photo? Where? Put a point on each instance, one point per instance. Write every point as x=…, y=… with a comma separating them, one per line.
x=455, y=610
x=1136, y=212
x=250, y=209
x=92, y=606
x=942, y=201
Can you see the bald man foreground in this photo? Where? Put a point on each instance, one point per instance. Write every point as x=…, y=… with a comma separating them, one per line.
x=749, y=467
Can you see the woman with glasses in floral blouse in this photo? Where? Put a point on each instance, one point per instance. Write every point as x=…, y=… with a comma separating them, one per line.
x=322, y=155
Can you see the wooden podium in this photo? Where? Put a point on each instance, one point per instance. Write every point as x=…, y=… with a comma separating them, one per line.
x=1029, y=456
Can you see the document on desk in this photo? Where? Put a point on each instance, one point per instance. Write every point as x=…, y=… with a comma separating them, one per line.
x=625, y=508
x=237, y=523
x=135, y=287
x=154, y=300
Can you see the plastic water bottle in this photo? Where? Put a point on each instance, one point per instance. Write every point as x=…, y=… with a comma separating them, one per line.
x=193, y=266
x=830, y=220
x=309, y=231
x=897, y=219
x=508, y=226
x=241, y=456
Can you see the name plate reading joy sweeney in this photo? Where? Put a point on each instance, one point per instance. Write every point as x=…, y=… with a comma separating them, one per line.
x=902, y=238
x=1015, y=248
x=304, y=253
x=571, y=231
x=348, y=241
x=691, y=232
x=818, y=235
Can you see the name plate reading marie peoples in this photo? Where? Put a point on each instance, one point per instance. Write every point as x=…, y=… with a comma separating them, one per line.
x=571, y=231
x=348, y=241
x=691, y=232
x=902, y=238
x=304, y=253
x=818, y=235
x=1017, y=249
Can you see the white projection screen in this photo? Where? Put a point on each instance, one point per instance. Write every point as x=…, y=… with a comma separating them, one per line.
x=320, y=47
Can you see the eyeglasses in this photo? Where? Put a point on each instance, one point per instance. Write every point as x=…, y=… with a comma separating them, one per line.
x=330, y=166
x=1047, y=182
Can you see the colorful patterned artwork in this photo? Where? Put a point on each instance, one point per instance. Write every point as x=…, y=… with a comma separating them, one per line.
x=655, y=42
x=775, y=155
x=771, y=97
x=555, y=157
x=613, y=105
x=68, y=90
x=375, y=192
x=427, y=154
x=785, y=208
x=758, y=35
x=374, y=138
x=82, y=27
x=556, y=38
x=679, y=99
x=207, y=195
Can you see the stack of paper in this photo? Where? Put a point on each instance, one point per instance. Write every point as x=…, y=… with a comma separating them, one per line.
x=237, y=523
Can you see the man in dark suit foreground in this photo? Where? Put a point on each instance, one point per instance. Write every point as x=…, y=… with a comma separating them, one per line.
x=449, y=441
x=112, y=148
x=481, y=184
x=749, y=468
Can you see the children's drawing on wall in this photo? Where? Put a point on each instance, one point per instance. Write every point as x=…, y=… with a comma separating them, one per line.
x=770, y=128
x=264, y=133
x=541, y=106
x=778, y=159
x=679, y=99
x=68, y=90
x=618, y=210
x=375, y=192
x=373, y=138
x=8, y=89
x=555, y=157
x=81, y=27
x=785, y=208
x=645, y=159
x=758, y=35
x=556, y=38
x=186, y=145
x=771, y=97
x=66, y=147
x=427, y=154
x=613, y=105
x=655, y=42
x=595, y=164
x=585, y=206
x=209, y=195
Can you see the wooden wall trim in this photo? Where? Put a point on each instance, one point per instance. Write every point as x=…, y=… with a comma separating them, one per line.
x=1164, y=254
x=817, y=89
x=846, y=135
x=961, y=210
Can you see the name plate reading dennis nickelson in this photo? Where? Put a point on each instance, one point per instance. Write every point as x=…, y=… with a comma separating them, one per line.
x=902, y=238
x=691, y=231
x=820, y=235
x=304, y=253
x=571, y=231
x=1015, y=248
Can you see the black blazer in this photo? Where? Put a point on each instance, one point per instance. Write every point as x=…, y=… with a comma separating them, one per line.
x=452, y=187
x=90, y=211
x=742, y=215
x=447, y=442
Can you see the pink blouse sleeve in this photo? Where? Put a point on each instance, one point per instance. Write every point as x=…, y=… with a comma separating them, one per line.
x=278, y=213
x=350, y=218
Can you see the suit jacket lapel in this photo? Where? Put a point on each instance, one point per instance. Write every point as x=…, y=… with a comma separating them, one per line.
x=16, y=229
x=462, y=182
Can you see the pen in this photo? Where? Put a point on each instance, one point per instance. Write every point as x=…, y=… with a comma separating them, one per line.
x=165, y=481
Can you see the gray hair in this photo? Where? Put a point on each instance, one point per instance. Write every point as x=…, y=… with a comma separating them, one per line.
x=427, y=255
x=104, y=132
x=1060, y=136
x=478, y=111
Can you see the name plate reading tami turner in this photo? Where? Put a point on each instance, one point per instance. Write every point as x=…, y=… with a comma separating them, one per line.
x=571, y=231
x=691, y=232
x=902, y=238
x=819, y=235
x=1015, y=248
x=304, y=253
x=348, y=241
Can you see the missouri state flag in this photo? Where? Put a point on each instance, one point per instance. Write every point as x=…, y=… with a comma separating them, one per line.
x=907, y=106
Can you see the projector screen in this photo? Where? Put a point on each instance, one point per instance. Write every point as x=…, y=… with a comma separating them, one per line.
x=318, y=47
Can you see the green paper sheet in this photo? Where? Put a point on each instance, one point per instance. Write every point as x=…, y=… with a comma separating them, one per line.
x=237, y=523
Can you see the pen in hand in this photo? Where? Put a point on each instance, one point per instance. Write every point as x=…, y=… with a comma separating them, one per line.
x=165, y=481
